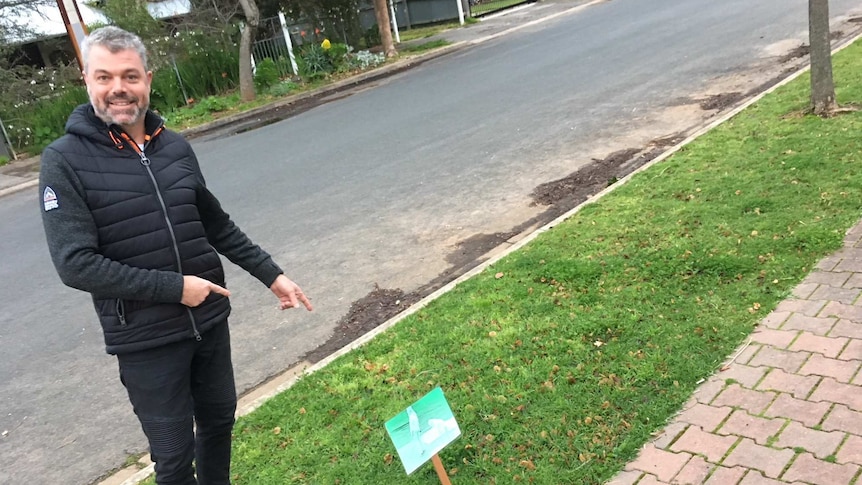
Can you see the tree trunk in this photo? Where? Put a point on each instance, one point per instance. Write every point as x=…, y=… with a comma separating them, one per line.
x=822, y=84
x=381, y=10
x=246, y=76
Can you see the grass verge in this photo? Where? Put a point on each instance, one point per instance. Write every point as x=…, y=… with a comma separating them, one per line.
x=426, y=46
x=562, y=359
x=494, y=6
x=424, y=32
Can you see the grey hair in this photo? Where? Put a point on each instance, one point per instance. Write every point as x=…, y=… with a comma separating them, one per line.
x=115, y=40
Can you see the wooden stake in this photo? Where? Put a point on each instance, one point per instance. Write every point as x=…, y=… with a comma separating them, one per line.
x=441, y=470
x=75, y=26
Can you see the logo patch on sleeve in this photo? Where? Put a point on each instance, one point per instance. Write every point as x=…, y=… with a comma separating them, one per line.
x=49, y=198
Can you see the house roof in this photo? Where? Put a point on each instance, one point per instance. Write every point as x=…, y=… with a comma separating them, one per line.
x=46, y=21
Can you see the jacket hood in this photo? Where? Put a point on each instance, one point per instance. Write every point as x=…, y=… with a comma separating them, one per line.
x=84, y=122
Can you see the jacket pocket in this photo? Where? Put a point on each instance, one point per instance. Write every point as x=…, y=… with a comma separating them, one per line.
x=121, y=312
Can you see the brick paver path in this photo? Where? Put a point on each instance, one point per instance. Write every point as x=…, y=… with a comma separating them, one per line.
x=788, y=409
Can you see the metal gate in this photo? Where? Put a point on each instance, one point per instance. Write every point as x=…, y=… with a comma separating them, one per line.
x=270, y=44
x=6, y=152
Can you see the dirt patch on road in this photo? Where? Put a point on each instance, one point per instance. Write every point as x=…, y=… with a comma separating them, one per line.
x=585, y=182
x=567, y=192
x=560, y=196
x=363, y=316
x=721, y=101
x=468, y=250
x=379, y=305
x=796, y=53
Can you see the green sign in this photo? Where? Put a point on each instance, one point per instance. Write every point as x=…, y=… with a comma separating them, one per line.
x=423, y=429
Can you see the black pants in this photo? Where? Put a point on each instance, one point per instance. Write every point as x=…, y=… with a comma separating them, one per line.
x=185, y=398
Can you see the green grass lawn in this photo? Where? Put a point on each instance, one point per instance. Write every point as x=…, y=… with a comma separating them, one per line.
x=425, y=32
x=426, y=46
x=561, y=359
x=493, y=6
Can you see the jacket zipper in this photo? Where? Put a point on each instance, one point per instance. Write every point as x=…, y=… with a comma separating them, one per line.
x=121, y=312
x=146, y=163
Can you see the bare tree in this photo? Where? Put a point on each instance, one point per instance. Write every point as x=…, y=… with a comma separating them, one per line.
x=246, y=76
x=13, y=17
x=211, y=16
x=381, y=10
x=822, y=84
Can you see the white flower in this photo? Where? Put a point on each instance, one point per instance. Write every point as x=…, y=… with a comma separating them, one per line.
x=32, y=82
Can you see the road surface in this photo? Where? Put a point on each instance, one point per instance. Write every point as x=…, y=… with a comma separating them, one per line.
x=378, y=188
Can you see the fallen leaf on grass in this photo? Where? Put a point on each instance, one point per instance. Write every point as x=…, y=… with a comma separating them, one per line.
x=498, y=275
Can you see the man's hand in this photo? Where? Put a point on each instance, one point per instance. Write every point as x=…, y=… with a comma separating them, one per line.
x=196, y=290
x=289, y=294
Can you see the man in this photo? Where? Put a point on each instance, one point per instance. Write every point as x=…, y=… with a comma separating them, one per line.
x=129, y=219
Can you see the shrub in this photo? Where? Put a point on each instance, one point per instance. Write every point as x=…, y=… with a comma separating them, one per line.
x=210, y=71
x=337, y=54
x=281, y=89
x=39, y=123
x=265, y=74
x=200, y=111
x=365, y=60
x=214, y=104
x=28, y=90
x=49, y=120
x=313, y=63
x=166, y=92
x=283, y=65
x=371, y=36
x=207, y=65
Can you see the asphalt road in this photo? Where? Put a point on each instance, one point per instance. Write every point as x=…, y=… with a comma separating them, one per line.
x=378, y=187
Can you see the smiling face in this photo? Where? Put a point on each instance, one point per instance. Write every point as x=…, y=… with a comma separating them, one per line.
x=119, y=86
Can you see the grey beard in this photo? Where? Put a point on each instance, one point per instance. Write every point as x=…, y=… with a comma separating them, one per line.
x=108, y=119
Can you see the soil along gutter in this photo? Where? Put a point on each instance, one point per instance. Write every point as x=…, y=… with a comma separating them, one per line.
x=560, y=196
x=562, y=360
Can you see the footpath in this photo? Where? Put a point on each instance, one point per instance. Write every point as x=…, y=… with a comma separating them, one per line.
x=785, y=409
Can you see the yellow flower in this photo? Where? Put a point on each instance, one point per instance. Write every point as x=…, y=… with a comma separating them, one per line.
x=325, y=44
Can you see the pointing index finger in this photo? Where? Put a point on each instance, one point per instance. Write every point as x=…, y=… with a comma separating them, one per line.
x=305, y=301
x=214, y=288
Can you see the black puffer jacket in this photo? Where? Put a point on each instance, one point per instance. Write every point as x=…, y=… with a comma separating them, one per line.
x=125, y=225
